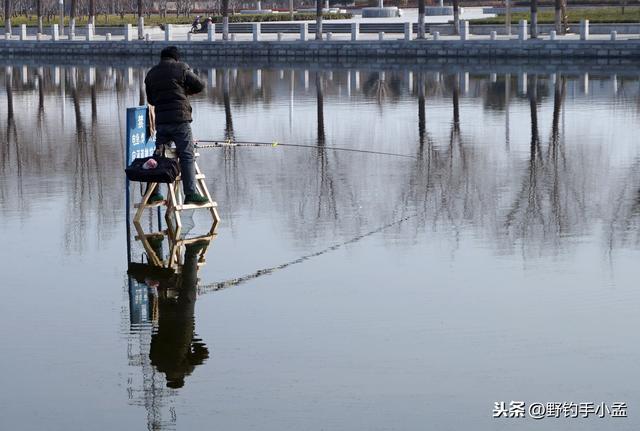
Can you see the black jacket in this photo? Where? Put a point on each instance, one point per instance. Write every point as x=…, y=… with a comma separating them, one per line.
x=168, y=84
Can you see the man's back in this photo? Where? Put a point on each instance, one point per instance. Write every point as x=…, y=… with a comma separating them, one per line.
x=167, y=85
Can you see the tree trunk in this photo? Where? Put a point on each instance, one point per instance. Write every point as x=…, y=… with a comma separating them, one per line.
x=420, y=19
x=456, y=16
x=39, y=13
x=92, y=12
x=534, y=19
x=7, y=16
x=225, y=19
x=318, y=19
x=72, y=19
x=140, y=20
x=558, y=16
x=507, y=17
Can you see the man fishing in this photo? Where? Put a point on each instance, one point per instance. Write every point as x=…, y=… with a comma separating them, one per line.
x=168, y=85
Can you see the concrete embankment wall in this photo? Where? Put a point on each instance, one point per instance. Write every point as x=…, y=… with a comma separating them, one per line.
x=533, y=49
x=344, y=28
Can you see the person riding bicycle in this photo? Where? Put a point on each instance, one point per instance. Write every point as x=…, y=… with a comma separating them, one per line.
x=196, y=24
x=205, y=25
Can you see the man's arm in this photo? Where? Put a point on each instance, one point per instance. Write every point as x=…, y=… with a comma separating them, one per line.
x=192, y=83
x=150, y=97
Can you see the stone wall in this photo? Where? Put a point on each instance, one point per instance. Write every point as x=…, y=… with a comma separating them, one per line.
x=621, y=49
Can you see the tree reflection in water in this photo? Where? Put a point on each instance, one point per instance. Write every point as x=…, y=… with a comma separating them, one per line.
x=455, y=182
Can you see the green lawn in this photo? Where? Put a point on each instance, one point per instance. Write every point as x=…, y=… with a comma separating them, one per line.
x=116, y=20
x=594, y=15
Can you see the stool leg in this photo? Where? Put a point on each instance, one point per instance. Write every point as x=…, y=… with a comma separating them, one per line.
x=143, y=202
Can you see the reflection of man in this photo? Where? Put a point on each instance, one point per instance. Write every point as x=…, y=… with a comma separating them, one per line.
x=168, y=85
x=175, y=350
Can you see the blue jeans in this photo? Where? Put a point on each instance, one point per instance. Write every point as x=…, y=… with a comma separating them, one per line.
x=180, y=134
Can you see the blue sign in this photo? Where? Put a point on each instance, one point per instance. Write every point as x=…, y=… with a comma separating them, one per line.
x=139, y=143
x=139, y=309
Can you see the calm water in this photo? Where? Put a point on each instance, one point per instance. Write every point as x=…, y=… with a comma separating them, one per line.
x=344, y=290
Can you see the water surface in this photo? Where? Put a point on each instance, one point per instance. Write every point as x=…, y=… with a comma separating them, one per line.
x=493, y=258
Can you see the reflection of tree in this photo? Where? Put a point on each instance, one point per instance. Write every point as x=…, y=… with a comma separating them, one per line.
x=419, y=187
x=82, y=178
x=326, y=193
x=554, y=164
x=382, y=86
x=452, y=185
x=11, y=138
x=228, y=117
x=550, y=203
x=526, y=211
x=623, y=228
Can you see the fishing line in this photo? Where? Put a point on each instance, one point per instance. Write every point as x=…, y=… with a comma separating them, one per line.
x=222, y=143
x=214, y=287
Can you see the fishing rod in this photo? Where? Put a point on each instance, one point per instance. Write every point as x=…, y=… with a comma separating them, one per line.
x=228, y=143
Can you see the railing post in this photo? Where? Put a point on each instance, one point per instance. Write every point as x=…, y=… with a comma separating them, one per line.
x=127, y=32
x=355, y=30
x=584, y=29
x=408, y=31
x=522, y=30
x=55, y=32
x=256, y=31
x=89, y=32
x=211, y=32
x=464, y=30
x=304, y=31
x=23, y=32
x=168, y=32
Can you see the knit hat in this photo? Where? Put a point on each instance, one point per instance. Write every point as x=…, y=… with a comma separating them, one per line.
x=170, y=52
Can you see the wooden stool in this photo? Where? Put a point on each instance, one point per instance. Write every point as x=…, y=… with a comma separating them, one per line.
x=174, y=260
x=174, y=206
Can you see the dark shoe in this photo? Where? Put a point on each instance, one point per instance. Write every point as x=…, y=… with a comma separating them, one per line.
x=195, y=199
x=156, y=197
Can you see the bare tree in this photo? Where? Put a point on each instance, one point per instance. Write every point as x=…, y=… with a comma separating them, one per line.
x=92, y=12
x=225, y=19
x=318, y=19
x=7, y=16
x=420, y=19
x=534, y=19
x=140, y=20
x=456, y=16
x=72, y=18
x=39, y=13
